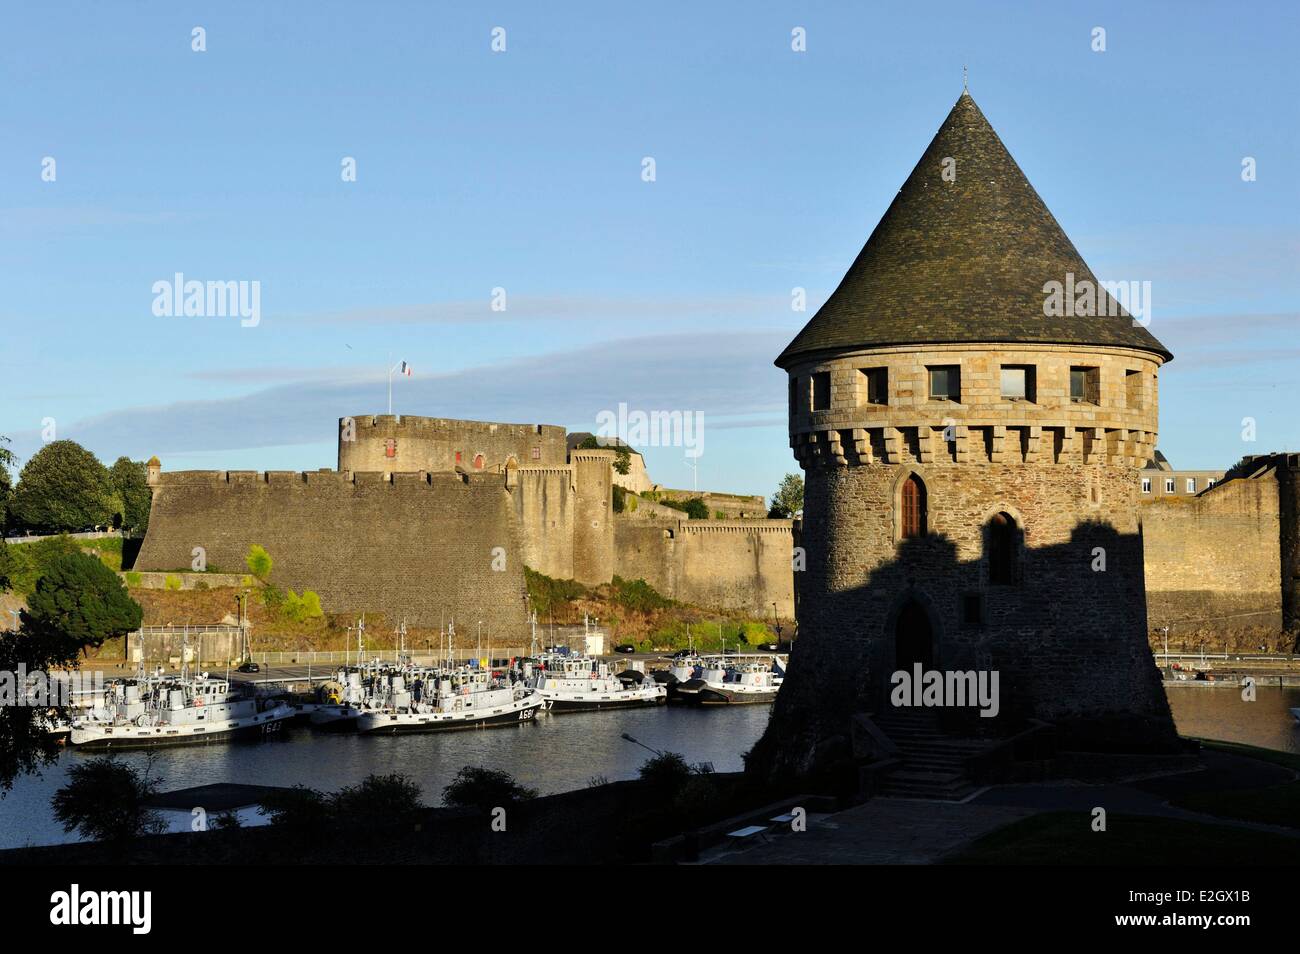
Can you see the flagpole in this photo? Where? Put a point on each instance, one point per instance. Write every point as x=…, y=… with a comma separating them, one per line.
x=390, y=384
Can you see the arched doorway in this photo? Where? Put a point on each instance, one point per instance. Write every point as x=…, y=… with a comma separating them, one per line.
x=1003, y=549
x=913, y=638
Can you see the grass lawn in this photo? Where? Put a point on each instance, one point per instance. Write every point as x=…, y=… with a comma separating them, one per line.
x=1269, y=805
x=1067, y=838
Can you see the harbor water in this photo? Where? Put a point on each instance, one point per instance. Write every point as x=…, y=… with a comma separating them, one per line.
x=553, y=754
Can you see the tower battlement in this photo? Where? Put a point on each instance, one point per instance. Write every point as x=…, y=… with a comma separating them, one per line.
x=392, y=443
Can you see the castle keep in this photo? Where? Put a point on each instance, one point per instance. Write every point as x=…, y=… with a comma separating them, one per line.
x=433, y=519
x=969, y=464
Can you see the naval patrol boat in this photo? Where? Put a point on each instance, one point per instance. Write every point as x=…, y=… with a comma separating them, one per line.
x=582, y=683
x=732, y=680
x=176, y=710
x=442, y=700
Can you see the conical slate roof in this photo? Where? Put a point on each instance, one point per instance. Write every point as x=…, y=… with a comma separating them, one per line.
x=963, y=260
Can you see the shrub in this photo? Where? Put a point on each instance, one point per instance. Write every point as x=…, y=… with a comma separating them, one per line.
x=28, y=562
x=698, y=800
x=484, y=789
x=299, y=609
x=638, y=595
x=378, y=799
x=666, y=772
x=258, y=561
x=695, y=508
x=272, y=597
x=546, y=594
x=300, y=806
x=172, y=582
x=133, y=578
x=226, y=820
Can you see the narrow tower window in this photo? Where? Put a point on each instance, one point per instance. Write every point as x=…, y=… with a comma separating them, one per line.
x=821, y=392
x=914, y=507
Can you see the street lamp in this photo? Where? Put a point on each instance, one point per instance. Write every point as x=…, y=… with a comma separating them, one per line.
x=629, y=738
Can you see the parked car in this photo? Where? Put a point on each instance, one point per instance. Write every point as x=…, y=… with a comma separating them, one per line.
x=250, y=666
x=625, y=648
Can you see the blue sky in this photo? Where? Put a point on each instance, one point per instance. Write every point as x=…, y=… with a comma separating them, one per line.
x=522, y=170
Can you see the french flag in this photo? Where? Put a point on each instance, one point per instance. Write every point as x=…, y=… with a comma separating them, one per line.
x=406, y=369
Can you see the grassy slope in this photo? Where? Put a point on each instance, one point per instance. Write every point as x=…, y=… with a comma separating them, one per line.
x=1057, y=838
x=1067, y=837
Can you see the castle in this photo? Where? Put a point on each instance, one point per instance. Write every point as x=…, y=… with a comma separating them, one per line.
x=434, y=519
x=969, y=461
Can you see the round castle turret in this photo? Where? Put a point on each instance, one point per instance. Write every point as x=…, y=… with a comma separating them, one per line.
x=968, y=450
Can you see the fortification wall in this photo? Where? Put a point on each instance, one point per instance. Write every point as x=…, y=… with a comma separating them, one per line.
x=1213, y=561
x=593, y=528
x=732, y=564
x=647, y=550
x=418, y=545
x=731, y=506
x=738, y=564
x=392, y=443
x=545, y=506
x=1288, y=477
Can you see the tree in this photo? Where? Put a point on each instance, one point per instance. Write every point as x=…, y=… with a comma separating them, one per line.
x=258, y=562
x=79, y=603
x=7, y=460
x=788, y=499
x=484, y=789
x=64, y=487
x=6, y=573
x=131, y=481
x=105, y=800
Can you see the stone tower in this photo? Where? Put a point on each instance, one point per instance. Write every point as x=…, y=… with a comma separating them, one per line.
x=968, y=450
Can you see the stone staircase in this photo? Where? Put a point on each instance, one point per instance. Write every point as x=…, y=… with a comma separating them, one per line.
x=931, y=761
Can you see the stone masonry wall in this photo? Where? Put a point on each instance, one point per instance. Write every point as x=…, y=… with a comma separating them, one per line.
x=418, y=545
x=433, y=443
x=545, y=506
x=1213, y=561
x=1068, y=641
x=593, y=528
